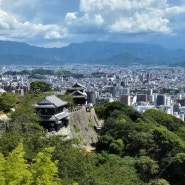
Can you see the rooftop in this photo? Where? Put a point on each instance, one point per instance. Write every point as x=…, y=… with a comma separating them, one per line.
x=50, y=101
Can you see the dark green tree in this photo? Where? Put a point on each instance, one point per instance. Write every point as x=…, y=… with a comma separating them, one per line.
x=24, y=117
x=168, y=142
x=68, y=98
x=40, y=86
x=173, y=169
x=147, y=168
x=159, y=182
x=159, y=117
x=117, y=170
x=9, y=141
x=116, y=147
x=8, y=101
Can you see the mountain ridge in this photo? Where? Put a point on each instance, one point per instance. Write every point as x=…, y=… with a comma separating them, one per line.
x=109, y=53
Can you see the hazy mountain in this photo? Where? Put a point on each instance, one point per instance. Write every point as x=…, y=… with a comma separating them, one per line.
x=89, y=52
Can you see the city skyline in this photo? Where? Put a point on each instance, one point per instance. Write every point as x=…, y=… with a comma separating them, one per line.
x=58, y=23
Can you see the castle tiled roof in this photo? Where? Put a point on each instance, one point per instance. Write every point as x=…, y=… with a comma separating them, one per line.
x=50, y=101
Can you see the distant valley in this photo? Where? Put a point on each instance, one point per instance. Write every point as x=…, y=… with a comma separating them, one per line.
x=108, y=53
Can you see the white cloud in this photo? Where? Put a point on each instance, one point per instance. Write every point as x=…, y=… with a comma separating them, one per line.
x=142, y=22
x=97, y=19
x=8, y=21
x=83, y=24
x=14, y=27
x=93, y=5
x=52, y=34
x=94, y=19
x=129, y=16
x=174, y=10
x=70, y=18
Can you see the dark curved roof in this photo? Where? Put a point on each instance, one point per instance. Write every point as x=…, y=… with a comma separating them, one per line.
x=51, y=101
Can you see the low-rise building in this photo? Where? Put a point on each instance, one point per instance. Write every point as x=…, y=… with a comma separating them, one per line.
x=53, y=113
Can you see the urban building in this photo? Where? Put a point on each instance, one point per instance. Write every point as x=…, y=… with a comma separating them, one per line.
x=125, y=99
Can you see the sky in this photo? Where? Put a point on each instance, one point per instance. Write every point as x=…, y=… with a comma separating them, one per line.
x=57, y=23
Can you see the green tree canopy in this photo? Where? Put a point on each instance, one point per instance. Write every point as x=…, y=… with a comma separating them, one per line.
x=169, y=143
x=2, y=170
x=159, y=182
x=16, y=168
x=147, y=168
x=8, y=101
x=44, y=170
x=117, y=170
x=40, y=86
x=24, y=117
x=161, y=118
x=173, y=169
x=68, y=98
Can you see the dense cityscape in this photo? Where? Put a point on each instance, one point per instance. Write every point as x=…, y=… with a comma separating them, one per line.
x=139, y=86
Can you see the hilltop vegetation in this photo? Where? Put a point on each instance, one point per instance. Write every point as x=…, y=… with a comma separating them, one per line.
x=154, y=141
x=133, y=149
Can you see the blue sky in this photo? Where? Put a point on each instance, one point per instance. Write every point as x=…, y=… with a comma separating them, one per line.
x=57, y=23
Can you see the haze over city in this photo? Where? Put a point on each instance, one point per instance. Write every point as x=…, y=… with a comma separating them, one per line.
x=58, y=23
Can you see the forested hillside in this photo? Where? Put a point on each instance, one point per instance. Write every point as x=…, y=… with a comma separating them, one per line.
x=96, y=52
x=152, y=143
x=133, y=149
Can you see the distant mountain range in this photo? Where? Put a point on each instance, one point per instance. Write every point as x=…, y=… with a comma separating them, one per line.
x=89, y=52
